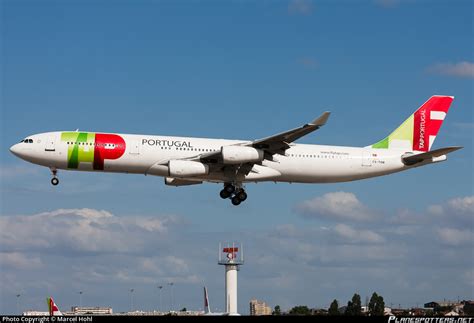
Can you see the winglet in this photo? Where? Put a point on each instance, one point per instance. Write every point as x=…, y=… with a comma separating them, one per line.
x=321, y=120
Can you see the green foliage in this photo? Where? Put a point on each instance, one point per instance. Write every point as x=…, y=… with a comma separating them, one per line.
x=300, y=310
x=376, y=305
x=334, y=308
x=429, y=313
x=354, y=306
x=442, y=309
x=468, y=309
x=277, y=310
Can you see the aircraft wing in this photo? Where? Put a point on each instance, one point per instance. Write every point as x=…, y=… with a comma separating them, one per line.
x=277, y=144
x=418, y=158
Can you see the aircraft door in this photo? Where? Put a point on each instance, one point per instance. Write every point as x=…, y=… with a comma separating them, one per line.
x=367, y=158
x=50, y=144
x=135, y=147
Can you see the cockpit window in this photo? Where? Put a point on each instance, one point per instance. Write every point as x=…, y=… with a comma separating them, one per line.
x=30, y=141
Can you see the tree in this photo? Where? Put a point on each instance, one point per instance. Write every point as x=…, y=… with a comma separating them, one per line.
x=334, y=308
x=300, y=310
x=277, y=310
x=468, y=309
x=376, y=305
x=354, y=306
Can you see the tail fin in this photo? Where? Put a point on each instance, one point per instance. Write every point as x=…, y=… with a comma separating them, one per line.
x=419, y=131
x=53, y=308
x=206, y=302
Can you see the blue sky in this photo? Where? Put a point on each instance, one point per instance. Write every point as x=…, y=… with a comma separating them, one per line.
x=237, y=69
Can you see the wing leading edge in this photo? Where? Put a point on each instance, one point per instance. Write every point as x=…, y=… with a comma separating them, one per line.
x=277, y=144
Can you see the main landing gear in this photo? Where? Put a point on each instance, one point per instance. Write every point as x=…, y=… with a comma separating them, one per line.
x=236, y=194
x=54, y=180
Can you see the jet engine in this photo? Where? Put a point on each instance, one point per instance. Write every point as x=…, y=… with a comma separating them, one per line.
x=179, y=182
x=239, y=155
x=187, y=168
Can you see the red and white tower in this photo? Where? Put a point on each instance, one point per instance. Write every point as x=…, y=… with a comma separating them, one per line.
x=231, y=255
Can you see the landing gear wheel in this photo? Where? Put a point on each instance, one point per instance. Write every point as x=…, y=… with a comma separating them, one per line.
x=235, y=200
x=55, y=181
x=241, y=195
x=224, y=194
x=229, y=188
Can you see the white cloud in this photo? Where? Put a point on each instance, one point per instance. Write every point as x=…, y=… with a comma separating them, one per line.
x=357, y=236
x=80, y=230
x=462, y=204
x=144, y=252
x=337, y=205
x=18, y=260
x=84, y=213
x=145, y=270
x=435, y=209
x=406, y=216
x=457, y=211
x=456, y=237
x=149, y=265
x=301, y=7
x=286, y=231
x=461, y=69
x=177, y=264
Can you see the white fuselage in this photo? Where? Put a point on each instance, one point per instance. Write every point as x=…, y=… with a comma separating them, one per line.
x=145, y=154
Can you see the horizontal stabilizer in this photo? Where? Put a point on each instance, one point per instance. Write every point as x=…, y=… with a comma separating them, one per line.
x=418, y=158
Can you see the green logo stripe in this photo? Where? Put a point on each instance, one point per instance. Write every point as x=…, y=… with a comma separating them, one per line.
x=80, y=149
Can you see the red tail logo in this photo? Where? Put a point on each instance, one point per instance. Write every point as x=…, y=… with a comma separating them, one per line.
x=428, y=120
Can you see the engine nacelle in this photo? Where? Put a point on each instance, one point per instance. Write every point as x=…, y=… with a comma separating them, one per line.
x=179, y=182
x=187, y=168
x=239, y=155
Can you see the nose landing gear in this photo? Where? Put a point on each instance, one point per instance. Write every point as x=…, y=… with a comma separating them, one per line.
x=236, y=194
x=54, y=180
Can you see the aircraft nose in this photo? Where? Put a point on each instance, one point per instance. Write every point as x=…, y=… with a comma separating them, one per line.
x=15, y=149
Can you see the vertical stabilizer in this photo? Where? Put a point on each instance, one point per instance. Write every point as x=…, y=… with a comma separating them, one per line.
x=419, y=131
x=53, y=308
x=207, y=309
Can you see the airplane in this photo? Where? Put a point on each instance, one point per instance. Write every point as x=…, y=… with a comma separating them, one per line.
x=188, y=161
x=53, y=308
x=207, y=307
